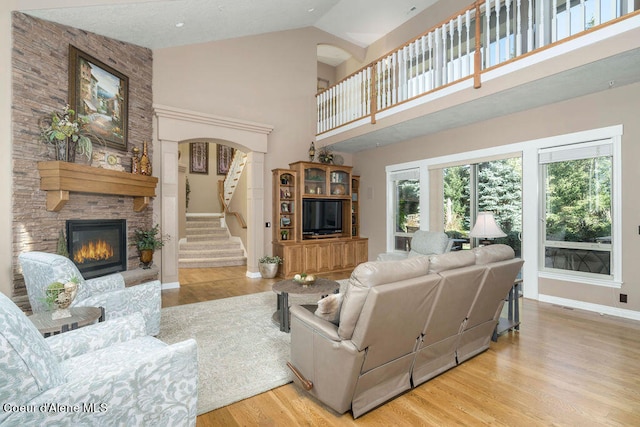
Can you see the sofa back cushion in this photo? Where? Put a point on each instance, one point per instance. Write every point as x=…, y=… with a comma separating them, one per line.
x=493, y=253
x=428, y=243
x=392, y=319
x=371, y=274
x=28, y=367
x=451, y=260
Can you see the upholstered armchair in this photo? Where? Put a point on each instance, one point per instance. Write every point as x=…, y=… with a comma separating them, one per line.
x=422, y=243
x=107, y=374
x=41, y=269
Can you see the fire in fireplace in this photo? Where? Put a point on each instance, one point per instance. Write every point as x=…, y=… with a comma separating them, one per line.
x=97, y=247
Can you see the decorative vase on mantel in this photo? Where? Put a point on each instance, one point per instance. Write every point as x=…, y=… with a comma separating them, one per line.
x=66, y=150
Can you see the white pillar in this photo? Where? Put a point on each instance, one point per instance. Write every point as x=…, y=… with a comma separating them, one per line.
x=255, y=211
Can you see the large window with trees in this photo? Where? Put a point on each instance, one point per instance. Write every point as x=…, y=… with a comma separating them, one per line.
x=577, y=200
x=493, y=186
x=406, y=205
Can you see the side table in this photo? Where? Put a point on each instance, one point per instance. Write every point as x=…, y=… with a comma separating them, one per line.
x=512, y=321
x=322, y=287
x=80, y=316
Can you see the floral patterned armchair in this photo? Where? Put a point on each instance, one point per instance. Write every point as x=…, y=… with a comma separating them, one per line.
x=41, y=269
x=107, y=374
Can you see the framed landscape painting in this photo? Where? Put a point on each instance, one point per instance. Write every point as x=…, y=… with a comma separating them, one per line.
x=100, y=94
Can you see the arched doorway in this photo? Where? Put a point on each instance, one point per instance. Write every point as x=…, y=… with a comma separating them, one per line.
x=173, y=125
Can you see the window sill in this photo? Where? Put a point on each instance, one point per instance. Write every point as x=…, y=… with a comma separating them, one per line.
x=609, y=283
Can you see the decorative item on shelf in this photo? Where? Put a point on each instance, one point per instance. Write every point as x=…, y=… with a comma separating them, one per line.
x=268, y=266
x=67, y=135
x=135, y=161
x=325, y=156
x=284, y=234
x=107, y=160
x=284, y=179
x=304, y=279
x=147, y=240
x=486, y=228
x=339, y=190
x=312, y=152
x=60, y=295
x=145, y=162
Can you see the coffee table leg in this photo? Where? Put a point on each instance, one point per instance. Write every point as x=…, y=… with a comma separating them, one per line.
x=283, y=305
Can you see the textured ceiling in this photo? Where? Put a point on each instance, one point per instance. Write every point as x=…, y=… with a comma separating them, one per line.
x=152, y=23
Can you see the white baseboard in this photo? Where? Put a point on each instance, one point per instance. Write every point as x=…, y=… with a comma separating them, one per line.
x=171, y=285
x=255, y=275
x=597, y=308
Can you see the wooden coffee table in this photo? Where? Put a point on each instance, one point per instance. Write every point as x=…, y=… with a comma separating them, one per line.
x=322, y=287
x=80, y=316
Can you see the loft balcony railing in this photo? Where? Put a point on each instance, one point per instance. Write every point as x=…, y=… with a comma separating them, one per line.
x=484, y=35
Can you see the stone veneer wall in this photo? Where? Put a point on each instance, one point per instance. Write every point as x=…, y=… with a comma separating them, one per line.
x=40, y=86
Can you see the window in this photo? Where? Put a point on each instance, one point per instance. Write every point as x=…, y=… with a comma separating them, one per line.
x=577, y=203
x=406, y=205
x=494, y=186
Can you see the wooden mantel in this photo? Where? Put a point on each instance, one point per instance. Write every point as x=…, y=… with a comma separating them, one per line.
x=58, y=179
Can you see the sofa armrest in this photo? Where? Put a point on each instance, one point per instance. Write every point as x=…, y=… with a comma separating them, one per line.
x=158, y=389
x=95, y=337
x=321, y=326
x=107, y=283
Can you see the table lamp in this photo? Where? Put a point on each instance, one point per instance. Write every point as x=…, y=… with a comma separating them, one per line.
x=486, y=228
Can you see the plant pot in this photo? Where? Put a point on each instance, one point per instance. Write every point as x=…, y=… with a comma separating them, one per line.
x=146, y=258
x=268, y=271
x=66, y=150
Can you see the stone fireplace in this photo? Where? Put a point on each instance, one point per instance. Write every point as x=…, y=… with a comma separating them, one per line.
x=97, y=247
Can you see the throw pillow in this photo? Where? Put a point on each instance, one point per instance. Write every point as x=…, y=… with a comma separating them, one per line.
x=329, y=308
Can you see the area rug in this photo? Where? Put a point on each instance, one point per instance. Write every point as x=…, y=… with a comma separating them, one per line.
x=241, y=351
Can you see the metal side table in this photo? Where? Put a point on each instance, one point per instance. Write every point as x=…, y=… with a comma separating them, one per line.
x=512, y=321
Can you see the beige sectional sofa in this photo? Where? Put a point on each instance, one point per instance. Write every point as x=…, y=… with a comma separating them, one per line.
x=401, y=323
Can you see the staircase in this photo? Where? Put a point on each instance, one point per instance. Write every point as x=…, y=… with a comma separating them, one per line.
x=208, y=244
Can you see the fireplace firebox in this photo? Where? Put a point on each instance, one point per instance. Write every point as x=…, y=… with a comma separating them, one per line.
x=97, y=247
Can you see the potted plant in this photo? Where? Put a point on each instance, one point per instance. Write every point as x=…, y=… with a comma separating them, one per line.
x=67, y=134
x=147, y=240
x=268, y=266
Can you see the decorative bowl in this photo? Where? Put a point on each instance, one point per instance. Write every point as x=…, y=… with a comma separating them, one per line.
x=304, y=279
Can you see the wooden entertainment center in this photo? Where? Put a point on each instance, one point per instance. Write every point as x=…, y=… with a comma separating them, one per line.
x=314, y=246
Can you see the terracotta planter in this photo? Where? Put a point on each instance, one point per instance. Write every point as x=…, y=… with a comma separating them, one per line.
x=146, y=258
x=268, y=271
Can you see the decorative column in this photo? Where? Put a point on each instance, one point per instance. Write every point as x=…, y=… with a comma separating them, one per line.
x=255, y=211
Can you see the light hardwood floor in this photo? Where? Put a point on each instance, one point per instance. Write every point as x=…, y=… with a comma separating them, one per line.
x=565, y=368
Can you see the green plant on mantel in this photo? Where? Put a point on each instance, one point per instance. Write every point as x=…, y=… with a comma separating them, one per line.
x=61, y=128
x=148, y=238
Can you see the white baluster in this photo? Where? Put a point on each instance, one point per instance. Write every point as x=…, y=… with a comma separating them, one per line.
x=393, y=74
x=451, y=72
x=518, y=29
x=530, y=27
x=467, y=60
x=423, y=61
x=542, y=25
x=414, y=72
x=378, y=87
x=583, y=16
x=507, y=4
x=443, y=53
x=497, y=55
x=487, y=51
x=430, y=82
x=554, y=21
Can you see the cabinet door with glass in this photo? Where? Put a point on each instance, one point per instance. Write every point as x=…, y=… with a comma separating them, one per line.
x=284, y=206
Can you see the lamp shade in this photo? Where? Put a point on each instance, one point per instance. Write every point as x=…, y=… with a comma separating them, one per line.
x=486, y=227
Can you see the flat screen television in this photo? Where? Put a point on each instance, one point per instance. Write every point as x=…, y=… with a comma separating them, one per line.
x=321, y=216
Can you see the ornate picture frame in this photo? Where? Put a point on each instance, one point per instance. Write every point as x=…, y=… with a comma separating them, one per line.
x=224, y=158
x=199, y=157
x=100, y=94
